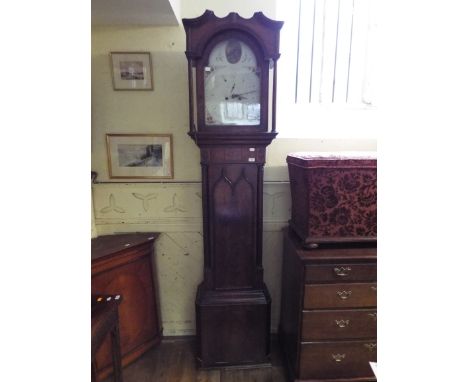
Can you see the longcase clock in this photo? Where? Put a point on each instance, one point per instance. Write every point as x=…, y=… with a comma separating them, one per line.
x=232, y=96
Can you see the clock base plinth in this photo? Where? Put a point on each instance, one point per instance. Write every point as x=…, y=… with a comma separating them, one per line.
x=233, y=328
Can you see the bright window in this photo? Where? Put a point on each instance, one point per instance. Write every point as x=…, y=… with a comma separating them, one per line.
x=325, y=69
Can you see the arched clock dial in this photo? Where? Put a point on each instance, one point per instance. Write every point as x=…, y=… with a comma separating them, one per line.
x=232, y=85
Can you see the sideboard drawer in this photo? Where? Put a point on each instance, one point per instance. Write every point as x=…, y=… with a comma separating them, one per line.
x=351, y=295
x=346, y=359
x=339, y=324
x=337, y=272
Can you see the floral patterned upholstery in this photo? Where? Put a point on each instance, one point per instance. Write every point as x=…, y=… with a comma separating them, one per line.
x=334, y=198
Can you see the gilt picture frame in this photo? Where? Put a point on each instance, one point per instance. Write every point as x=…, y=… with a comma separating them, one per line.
x=140, y=156
x=131, y=70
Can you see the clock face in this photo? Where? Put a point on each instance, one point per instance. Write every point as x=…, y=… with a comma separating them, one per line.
x=232, y=85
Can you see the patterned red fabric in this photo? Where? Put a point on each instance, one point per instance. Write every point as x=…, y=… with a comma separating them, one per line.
x=333, y=198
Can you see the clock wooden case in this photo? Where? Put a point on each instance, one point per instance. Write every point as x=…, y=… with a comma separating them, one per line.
x=232, y=93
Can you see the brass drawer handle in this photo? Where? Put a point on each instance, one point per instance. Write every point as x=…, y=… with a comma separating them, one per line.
x=371, y=346
x=342, y=323
x=338, y=357
x=373, y=315
x=344, y=294
x=342, y=271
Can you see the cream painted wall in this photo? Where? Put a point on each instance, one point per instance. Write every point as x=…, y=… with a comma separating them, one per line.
x=163, y=110
x=174, y=208
x=221, y=8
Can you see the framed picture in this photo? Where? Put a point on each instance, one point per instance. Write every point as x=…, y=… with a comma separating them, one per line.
x=131, y=70
x=140, y=156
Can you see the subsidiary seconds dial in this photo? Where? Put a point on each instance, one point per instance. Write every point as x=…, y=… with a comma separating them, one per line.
x=232, y=85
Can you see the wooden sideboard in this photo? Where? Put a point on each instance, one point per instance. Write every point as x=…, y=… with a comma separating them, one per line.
x=123, y=264
x=328, y=324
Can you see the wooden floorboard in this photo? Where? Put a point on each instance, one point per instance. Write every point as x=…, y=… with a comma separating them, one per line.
x=174, y=361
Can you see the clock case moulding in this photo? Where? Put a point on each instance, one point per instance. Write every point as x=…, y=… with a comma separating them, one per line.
x=233, y=303
x=262, y=36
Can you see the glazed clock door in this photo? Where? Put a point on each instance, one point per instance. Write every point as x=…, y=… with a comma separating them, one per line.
x=232, y=85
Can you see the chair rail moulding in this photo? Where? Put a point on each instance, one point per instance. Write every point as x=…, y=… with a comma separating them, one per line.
x=171, y=207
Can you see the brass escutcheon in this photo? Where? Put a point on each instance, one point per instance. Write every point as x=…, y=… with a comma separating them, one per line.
x=342, y=323
x=344, y=294
x=342, y=271
x=338, y=357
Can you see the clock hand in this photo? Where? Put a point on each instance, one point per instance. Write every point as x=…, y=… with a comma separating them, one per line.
x=241, y=95
x=236, y=95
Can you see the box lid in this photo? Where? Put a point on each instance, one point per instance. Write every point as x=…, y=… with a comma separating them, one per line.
x=309, y=159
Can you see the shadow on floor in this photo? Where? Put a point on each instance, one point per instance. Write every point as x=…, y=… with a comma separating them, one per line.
x=174, y=361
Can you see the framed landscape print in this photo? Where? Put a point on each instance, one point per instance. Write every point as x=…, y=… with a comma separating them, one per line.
x=131, y=70
x=140, y=156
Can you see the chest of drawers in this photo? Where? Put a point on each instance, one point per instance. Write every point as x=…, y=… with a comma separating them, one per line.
x=328, y=324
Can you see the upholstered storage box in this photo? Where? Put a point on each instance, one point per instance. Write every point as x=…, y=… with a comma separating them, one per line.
x=334, y=197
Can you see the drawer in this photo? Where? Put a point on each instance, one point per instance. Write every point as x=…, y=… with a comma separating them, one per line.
x=349, y=359
x=337, y=272
x=339, y=324
x=350, y=295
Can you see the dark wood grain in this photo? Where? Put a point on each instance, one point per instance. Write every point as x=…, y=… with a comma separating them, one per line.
x=291, y=304
x=232, y=304
x=351, y=295
x=341, y=359
x=260, y=33
x=104, y=322
x=339, y=324
x=233, y=215
x=339, y=272
x=123, y=264
x=112, y=245
x=233, y=327
x=317, y=326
